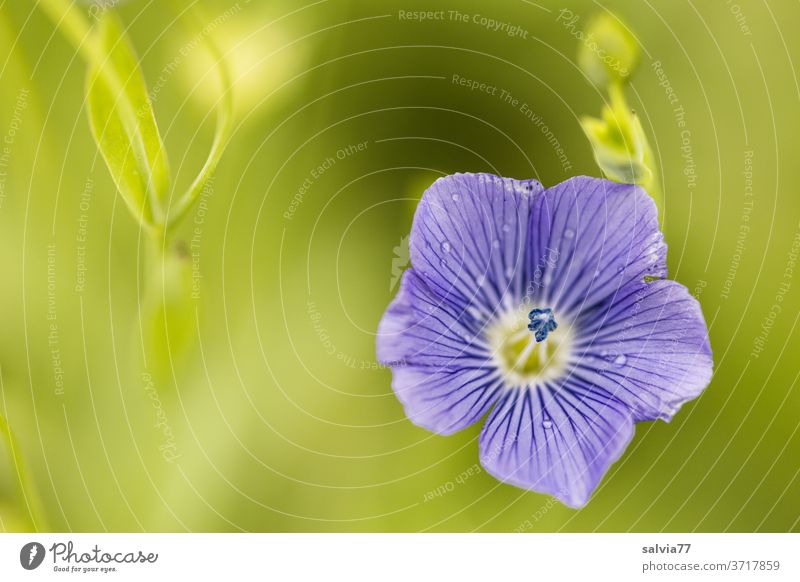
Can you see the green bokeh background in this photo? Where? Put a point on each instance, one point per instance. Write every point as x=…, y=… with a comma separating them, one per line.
x=281, y=419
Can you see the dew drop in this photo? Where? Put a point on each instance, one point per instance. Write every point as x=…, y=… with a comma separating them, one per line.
x=456, y=197
x=569, y=233
x=496, y=244
x=446, y=247
x=443, y=263
x=480, y=280
x=620, y=360
x=547, y=424
x=506, y=228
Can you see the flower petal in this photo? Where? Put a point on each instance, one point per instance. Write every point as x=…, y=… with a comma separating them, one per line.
x=468, y=238
x=443, y=400
x=648, y=347
x=588, y=237
x=439, y=364
x=556, y=439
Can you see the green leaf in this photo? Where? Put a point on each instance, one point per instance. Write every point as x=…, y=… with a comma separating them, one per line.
x=222, y=135
x=123, y=123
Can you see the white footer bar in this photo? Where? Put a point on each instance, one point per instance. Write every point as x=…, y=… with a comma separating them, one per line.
x=406, y=557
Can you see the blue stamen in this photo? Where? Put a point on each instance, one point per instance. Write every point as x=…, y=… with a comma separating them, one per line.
x=542, y=323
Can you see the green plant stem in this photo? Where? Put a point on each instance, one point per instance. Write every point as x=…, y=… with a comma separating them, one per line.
x=75, y=27
x=653, y=184
x=33, y=505
x=72, y=24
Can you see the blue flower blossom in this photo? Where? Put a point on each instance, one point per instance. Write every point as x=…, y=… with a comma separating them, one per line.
x=548, y=310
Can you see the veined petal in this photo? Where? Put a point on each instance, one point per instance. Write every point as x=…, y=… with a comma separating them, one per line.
x=445, y=400
x=468, y=238
x=648, y=347
x=440, y=368
x=421, y=329
x=555, y=439
x=588, y=238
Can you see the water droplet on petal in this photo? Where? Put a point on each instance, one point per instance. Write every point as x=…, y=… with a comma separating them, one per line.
x=620, y=360
x=496, y=244
x=443, y=263
x=455, y=197
x=569, y=233
x=509, y=272
x=506, y=228
x=480, y=280
x=446, y=247
x=522, y=189
x=547, y=424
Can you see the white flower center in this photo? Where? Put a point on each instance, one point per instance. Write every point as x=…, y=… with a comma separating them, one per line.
x=522, y=360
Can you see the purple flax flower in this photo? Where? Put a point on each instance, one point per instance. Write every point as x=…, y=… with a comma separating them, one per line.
x=548, y=310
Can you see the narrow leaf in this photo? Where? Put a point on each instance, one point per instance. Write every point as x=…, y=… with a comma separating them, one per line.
x=123, y=123
x=221, y=136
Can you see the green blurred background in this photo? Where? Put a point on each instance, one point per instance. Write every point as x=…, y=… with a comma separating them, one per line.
x=279, y=419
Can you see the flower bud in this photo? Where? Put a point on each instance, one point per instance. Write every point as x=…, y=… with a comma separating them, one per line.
x=619, y=142
x=608, y=52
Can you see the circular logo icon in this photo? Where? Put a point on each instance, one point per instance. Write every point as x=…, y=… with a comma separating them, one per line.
x=31, y=555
